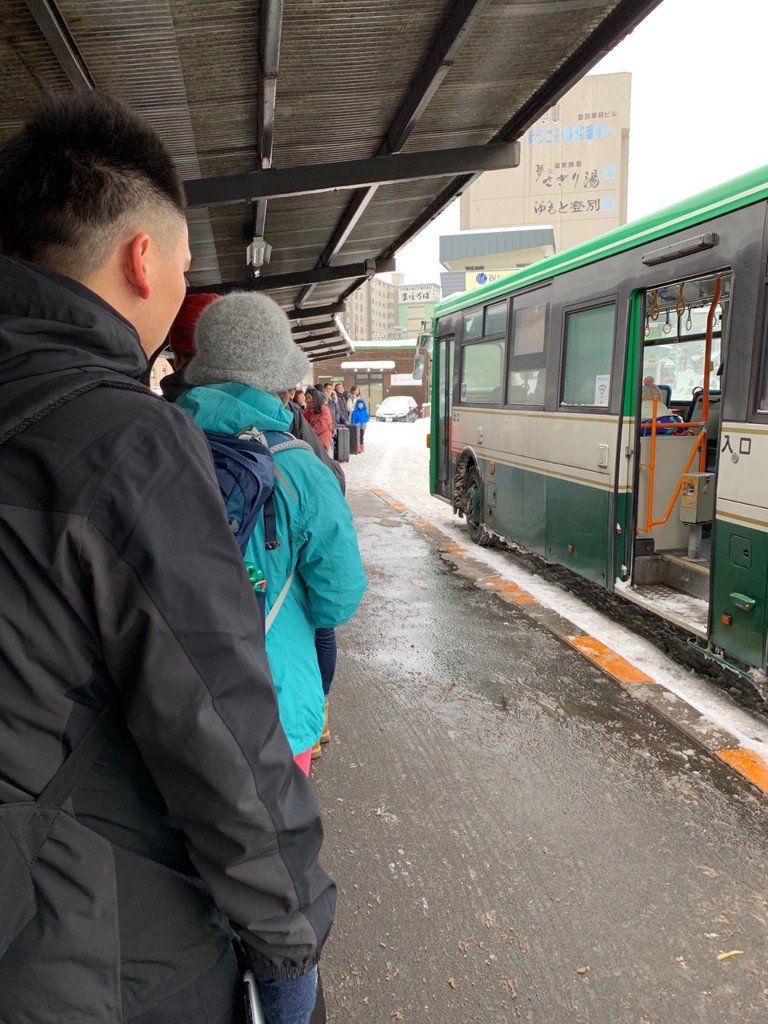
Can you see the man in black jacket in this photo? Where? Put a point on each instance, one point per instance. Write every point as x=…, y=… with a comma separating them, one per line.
x=122, y=582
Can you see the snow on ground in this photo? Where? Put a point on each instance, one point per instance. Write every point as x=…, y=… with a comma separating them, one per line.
x=396, y=460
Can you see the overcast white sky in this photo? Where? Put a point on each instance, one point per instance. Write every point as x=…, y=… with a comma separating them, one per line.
x=699, y=71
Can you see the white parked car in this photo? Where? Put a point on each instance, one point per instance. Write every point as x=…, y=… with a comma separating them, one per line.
x=398, y=408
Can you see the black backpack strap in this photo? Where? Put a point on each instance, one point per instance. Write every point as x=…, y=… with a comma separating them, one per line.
x=24, y=402
x=270, y=524
x=278, y=441
x=85, y=752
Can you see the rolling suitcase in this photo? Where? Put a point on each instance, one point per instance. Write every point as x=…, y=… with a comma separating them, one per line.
x=342, y=444
x=354, y=439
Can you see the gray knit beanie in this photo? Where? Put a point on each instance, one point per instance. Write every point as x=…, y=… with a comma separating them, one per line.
x=246, y=337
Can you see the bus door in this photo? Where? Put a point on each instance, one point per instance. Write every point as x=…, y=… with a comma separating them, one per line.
x=677, y=430
x=442, y=399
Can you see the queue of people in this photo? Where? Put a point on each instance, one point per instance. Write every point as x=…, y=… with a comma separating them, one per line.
x=331, y=409
x=148, y=729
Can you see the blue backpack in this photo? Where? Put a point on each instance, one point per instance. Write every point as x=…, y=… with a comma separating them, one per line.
x=245, y=471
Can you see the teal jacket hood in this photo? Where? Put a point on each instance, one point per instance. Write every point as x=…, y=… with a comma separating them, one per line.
x=230, y=408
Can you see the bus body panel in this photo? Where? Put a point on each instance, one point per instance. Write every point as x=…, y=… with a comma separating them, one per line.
x=560, y=519
x=740, y=588
x=542, y=484
x=541, y=441
x=578, y=529
x=740, y=569
x=551, y=496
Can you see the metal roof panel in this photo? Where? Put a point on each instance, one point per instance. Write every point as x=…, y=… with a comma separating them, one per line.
x=353, y=79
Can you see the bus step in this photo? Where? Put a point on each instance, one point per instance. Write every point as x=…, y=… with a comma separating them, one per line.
x=687, y=576
x=684, y=610
x=674, y=571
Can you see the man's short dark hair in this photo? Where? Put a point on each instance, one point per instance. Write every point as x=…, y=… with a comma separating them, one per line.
x=74, y=175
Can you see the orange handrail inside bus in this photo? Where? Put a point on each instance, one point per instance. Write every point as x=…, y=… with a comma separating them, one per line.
x=651, y=467
x=707, y=357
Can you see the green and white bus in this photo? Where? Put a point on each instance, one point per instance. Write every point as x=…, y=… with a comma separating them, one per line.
x=607, y=408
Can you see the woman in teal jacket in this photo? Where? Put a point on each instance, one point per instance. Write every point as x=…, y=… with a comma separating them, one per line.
x=245, y=356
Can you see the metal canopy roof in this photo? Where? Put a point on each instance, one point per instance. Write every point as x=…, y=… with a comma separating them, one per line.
x=332, y=131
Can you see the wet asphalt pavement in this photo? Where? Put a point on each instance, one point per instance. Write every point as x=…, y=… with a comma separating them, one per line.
x=514, y=838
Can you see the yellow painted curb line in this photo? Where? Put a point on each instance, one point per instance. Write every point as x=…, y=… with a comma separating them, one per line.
x=608, y=659
x=747, y=763
x=515, y=593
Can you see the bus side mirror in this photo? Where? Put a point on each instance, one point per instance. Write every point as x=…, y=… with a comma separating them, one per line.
x=419, y=362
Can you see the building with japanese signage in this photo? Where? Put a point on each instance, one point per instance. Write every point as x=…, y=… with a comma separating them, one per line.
x=476, y=258
x=415, y=303
x=573, y=169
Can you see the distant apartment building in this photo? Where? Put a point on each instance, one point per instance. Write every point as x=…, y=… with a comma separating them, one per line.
x=371, y=311
x=572, y=175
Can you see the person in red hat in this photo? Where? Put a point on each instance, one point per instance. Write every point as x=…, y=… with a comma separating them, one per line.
x=182, y=342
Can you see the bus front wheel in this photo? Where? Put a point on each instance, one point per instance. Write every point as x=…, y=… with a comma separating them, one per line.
x=473, y=509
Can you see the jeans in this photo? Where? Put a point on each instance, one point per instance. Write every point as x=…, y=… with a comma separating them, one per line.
x=325, y=646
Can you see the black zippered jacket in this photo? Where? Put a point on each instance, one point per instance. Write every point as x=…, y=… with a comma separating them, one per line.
x=118, y=572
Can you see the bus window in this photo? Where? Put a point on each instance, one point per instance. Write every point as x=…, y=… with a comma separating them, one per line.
x=527, y=387
x=495, y=319
x=527, y=373
x=675, y=337
x=473, y=325
x=589, y=336
x=481, y=373
x=680, y=366
x=762, y=398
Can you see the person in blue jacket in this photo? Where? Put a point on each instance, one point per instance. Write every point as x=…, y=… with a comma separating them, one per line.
x=245, y=356
x=360, y=415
